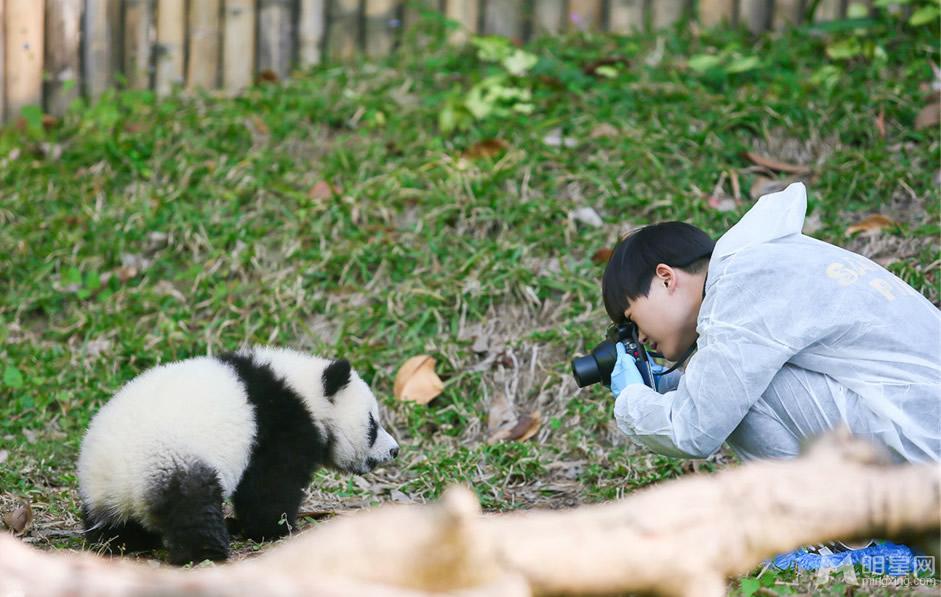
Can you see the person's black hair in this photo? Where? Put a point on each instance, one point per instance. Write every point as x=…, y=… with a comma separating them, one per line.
x=634, y=261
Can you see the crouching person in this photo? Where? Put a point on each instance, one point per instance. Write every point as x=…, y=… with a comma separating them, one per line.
x=783, y=337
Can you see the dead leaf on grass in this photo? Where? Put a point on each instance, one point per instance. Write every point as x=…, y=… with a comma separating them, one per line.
x=602, y=255
x=776, y=165
x=721, y=203
x=267, y=76
x=485, y=149
x=525, y=427
x=870, y=224
x=20, y=520
x=880, y=123
x=762, y=185
x=587, y=216
x=604, y=130
x=417, y=381
x=929, y=117
x=322, y=190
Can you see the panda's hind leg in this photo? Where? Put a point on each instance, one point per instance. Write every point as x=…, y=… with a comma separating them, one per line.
x=186, y=506
x=116, y=536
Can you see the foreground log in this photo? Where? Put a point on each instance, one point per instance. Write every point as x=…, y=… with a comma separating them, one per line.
x=684, y=537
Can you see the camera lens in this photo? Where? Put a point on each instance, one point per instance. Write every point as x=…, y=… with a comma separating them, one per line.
x=596, y=366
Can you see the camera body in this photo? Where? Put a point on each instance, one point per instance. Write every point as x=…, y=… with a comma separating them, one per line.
x=597, y=366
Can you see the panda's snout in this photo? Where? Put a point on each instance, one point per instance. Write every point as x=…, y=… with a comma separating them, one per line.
x=394, y=452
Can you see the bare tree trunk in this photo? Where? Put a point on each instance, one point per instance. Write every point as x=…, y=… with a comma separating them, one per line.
x=841, y=489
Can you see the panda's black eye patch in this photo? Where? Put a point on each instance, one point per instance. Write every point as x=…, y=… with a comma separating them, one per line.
x=373, y=430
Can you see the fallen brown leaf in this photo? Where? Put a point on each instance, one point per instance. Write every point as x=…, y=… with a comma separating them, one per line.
x=604, y=130
x=417, y=381
x=19, y=520
x=49, y=121
x=133, y=127
x=762, y=185
x=268, y=76
x=880, y=123
x=873, y=223
x=485, y=149
x=777, y=166
x=602, y=255
x=721, y=203
x=320, y=191
x=930, y=116
x=525, y=427
x=259, y=125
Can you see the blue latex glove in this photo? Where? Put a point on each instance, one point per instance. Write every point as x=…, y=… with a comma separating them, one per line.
x=625, y=372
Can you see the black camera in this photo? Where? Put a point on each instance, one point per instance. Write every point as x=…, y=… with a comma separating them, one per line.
x=597, y=366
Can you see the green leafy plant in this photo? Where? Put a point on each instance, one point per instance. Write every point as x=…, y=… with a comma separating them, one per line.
x=496, y=95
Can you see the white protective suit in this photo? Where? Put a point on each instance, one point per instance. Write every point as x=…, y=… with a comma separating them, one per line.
x=797, y=336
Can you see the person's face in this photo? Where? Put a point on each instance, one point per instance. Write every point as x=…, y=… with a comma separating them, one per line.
x=666, y=317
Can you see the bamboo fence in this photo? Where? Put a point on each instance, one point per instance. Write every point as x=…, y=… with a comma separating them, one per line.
x=52, y=51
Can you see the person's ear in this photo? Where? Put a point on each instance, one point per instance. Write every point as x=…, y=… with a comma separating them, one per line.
x=665, y=276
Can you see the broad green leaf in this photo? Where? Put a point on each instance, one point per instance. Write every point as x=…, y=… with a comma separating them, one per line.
x=607, y=71
x=925, y=15
x=844, y=49
x=12, y=377
x=492, y=48
x=447, y=119
x=743, y=64
x=826, y=76
x=704, y=62
x=749, y=586
x=33, y=117
x=519, y=62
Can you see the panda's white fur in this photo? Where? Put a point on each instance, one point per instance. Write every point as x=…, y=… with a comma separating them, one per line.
x=179, y=438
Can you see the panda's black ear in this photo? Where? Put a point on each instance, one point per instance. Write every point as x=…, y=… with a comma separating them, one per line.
x=335, y=377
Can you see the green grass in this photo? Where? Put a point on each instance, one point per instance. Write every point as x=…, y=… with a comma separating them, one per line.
x=420, y=250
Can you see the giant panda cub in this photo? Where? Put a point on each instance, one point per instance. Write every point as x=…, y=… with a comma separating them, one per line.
x=161, y=456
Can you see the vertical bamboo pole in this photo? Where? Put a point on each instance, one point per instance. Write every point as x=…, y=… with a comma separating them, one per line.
x=467, y=13
x=275, y=37
x=63, y=57
x=102, y=48
x=24, y=55
x=502, y=17
x=3, y=53
x=238, y=45
x=381, y=27
x=626, y=16
x=138, y=42
x=548, y=16
x=755, y=14
x=310, y=31
x=828, y=10
x=585, y=15
x=203, y=60
x=716, y=12
x=786, y=13
x=171, y=27
x=667, y=12
x=343, y=33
